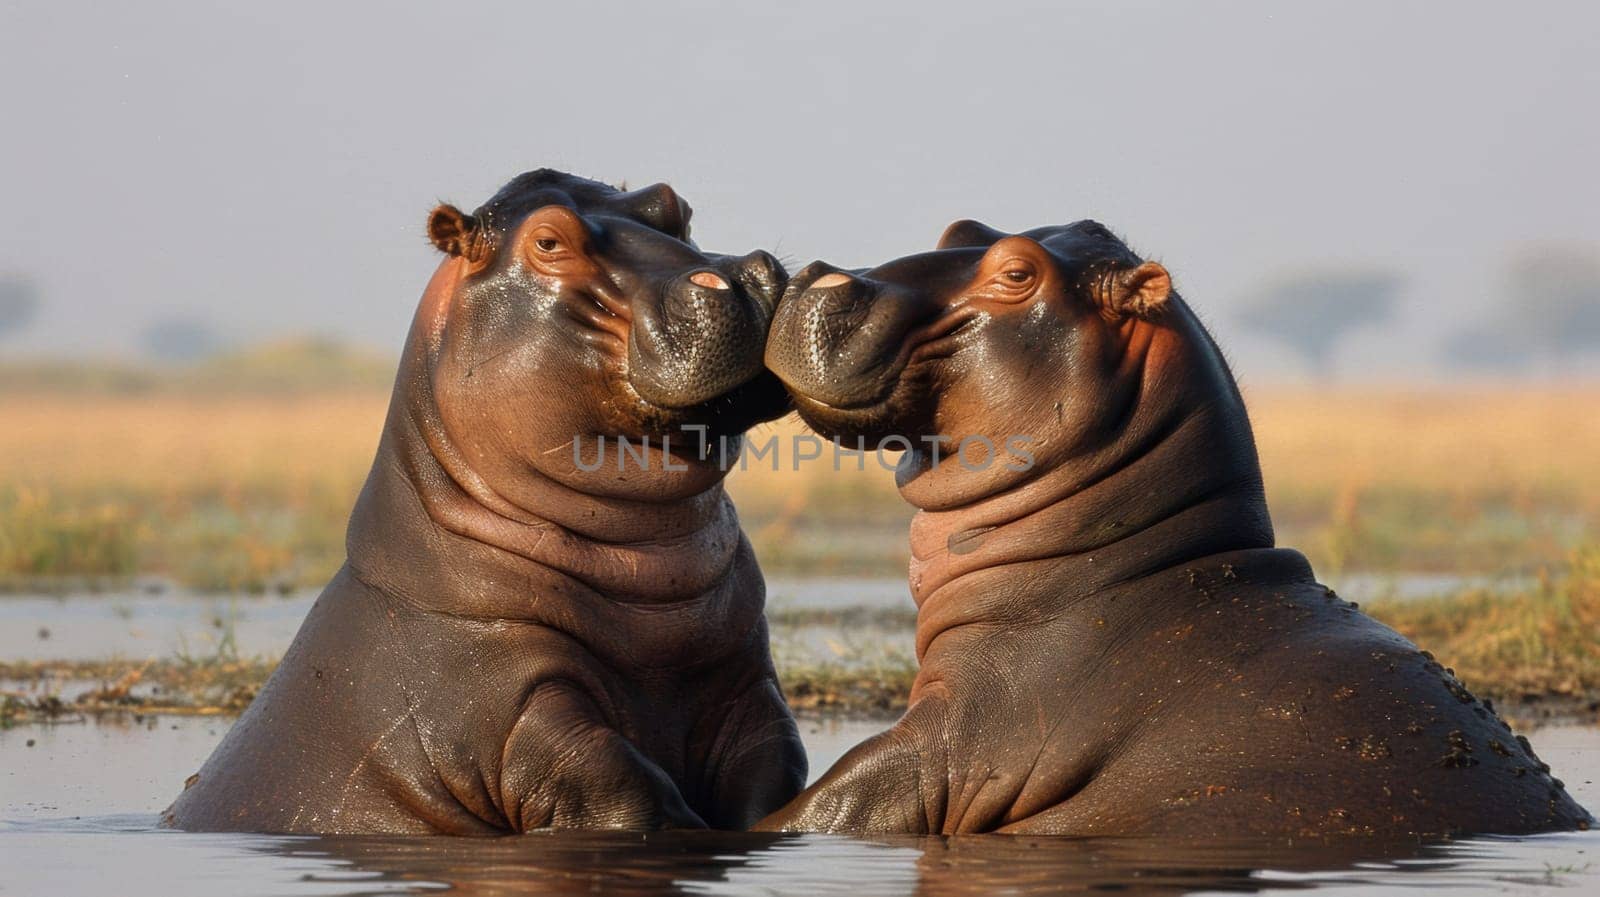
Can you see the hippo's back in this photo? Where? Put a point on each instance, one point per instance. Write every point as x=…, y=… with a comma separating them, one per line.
x=1338, y=726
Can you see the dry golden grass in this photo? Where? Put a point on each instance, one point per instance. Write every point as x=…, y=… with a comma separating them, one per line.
x=180, y=444
x=1486, y=479
x=1519, y=443
x=217, y=491
x=251, y=489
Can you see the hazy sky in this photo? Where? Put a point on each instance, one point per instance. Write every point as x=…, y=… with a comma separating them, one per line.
x=268, y=167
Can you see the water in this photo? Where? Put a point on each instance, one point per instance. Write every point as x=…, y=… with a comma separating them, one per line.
x=141, y=624
x=78, y=816
x=78, y=803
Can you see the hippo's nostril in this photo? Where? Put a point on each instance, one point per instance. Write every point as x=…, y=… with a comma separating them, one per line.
x=711, y=280
x=835, y=279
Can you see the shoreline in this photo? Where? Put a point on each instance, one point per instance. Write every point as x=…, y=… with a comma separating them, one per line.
x=63, y=692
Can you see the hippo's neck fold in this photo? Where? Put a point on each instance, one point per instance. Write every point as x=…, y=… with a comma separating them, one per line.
x=639, y=583
x=1174, y=480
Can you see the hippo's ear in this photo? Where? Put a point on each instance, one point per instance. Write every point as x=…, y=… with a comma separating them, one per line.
x=1140, y=292
x=456, y=233
x=966, y=233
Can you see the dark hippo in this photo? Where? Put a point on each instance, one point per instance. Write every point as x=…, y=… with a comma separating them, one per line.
x=1109, y=642
x=518, y=642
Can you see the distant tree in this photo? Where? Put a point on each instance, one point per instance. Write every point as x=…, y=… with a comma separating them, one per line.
x=1553, y=302
x=1550, y=313
x=180, y=339
x=1486, y=348
x=19, y=302
x=1311, y=312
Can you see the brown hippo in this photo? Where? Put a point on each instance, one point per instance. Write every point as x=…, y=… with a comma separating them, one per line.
x=1109, y=642
x=523, y=636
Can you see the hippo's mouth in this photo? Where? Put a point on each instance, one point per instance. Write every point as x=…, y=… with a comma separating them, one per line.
x=902, y=410
x=758, y=399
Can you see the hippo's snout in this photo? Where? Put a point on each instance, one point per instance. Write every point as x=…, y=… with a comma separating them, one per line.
x=706, y=334
x=837, y=338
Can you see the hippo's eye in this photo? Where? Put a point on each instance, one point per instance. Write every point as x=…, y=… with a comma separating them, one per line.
x=556, y=244
x=1018, y=273
x=1015, y=281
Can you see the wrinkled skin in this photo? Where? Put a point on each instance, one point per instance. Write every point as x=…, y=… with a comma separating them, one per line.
x=1109, y=642
x=516, y=642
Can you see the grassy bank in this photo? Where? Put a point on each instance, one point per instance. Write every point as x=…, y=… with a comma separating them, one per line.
x=1538, y=650
x=1536, y=654
x=233, y=477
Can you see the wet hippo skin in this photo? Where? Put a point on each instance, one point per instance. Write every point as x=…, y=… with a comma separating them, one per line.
x=516, y=642
x=1108, y=641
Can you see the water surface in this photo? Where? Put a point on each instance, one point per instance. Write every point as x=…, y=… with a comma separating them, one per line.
x=78, y=814
x=79, y=800
x=142, y=623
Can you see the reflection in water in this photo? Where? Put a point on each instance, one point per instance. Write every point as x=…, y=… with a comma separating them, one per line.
x=714, y=863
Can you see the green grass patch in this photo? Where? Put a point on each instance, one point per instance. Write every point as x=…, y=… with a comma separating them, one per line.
x=1541, y=643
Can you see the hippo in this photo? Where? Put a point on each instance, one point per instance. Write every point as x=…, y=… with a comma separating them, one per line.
x=531, y=631
x=1109, y=642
